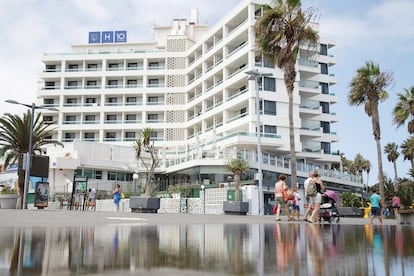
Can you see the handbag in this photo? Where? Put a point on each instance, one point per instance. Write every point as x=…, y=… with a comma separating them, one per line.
x=274, y=210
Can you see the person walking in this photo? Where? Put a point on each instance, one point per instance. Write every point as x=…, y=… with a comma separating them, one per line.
x=396, y=204
x=305, y=186
x=117, y=196
x=316, y=200
x=280, y=188
x=295, y=204
x=375, y=206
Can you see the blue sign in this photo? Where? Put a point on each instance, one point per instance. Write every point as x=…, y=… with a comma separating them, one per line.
x=94, y=37
x=120, y=36
x=108, y=37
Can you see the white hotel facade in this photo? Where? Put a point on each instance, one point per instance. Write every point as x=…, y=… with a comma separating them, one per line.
x=190, y=87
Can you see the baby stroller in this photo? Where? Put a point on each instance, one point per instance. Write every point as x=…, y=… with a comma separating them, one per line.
x=328, y=210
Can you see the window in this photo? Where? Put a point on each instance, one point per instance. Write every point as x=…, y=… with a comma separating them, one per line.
x=324, y=88
x=268, y=63
x=324, y=68
x=50, y=85
x=243, y=111
x=325, y=107
x=73, y=67
x=47, y=118
x=324, y=50
x=132, y=65
x=129, y=135
x=112, y=100
x=152, y=117
x=153, y=65
x=269, y=129
x=326, y=127
x=326, y=147
x=112, y=83
x=110, y=135
x=269, y=84
x=48, y=102
x=69, y=136
x=269, y=107
x=152, y=99
x=91, y=83
x=89, y=118
x=111, y=117
x=132, y=83
x=131, y=99
x=92, y=67
x=71, y=101
x=153, y=82
x=113, y=66
x=72, y=84
x=131, y=117
x=90, y=100
x=50, y=68
x=89, y=136
x=70, y=118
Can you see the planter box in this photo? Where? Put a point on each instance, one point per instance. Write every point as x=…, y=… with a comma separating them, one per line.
x=144, y=204
x=350, y=212
x=406, y=217
x=235, y=208
x=8, y=201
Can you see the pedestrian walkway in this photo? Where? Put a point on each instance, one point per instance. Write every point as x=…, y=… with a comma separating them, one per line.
x=66, y=218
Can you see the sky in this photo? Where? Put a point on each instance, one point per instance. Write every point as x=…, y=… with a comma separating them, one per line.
x=370, y=30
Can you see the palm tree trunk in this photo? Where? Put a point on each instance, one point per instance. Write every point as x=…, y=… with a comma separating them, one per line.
x=289, y=78
x=20, y=181
x=395, y=175
x=377, y=135
x=236, y=187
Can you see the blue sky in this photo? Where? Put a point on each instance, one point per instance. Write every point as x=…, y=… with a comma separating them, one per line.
x=377, y=30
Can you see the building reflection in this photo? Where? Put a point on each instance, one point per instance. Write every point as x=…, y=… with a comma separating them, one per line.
x=287, y=248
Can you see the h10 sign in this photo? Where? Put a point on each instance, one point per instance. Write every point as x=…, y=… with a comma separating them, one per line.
x=108, y=37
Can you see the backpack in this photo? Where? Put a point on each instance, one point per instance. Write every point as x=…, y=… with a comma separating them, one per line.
x=311, y=189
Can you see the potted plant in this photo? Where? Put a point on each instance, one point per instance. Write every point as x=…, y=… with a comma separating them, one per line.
x=237, y=166
x=145, y=152
x=8, y=198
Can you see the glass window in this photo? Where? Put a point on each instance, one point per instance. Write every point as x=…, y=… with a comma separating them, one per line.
x=324, y=50
x=129, y=134
x=48, y=101
x=152, y=99
x=70, y=118
x=89, y=135
x=326, y=127
x=89, y=117
x=326, y=147
x=111, y=117
x=325, y=107
x=152, y=116
x=110, y=135
x=324, y=68
x=324, y=87
x=131, y=117
x=270, y=129
x=269, y=107
x=269, y=84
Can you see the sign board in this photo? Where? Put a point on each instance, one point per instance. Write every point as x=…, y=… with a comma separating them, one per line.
x=107, y=37
x=41, y=198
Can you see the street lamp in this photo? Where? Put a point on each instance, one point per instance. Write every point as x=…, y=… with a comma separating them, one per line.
x=28, y=155
x=203, y=199
x=135, y=176
x=254, y=75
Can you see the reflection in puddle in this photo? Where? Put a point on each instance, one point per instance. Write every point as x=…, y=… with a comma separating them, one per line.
x=248, y=249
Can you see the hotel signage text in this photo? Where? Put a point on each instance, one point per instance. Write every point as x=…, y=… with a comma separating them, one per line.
x=108, y=37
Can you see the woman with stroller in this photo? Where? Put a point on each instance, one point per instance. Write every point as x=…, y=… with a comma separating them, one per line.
x=317, y=199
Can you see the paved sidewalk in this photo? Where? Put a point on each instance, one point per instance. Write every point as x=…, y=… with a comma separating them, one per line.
x=66, y=218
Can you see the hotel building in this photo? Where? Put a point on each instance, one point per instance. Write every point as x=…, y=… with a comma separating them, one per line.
x=190, y=87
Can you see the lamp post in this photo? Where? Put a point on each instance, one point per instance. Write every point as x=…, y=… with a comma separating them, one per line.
x=203, y=199
x=28, y=155
x=254, y=75
x=135, y=176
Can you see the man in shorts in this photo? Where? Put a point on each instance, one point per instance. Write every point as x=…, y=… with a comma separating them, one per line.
x=375, y=206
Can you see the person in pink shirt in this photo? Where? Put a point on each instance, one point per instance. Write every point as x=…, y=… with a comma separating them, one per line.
x=396, y=204
x=280, y=187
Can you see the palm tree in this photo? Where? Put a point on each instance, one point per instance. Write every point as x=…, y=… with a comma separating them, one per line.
x=280, y=32
x=391, y=149
x=407, y=150
x=404, y=109
x=14, y=141
x=237, y=166
x=368, y=88
x=144, y=143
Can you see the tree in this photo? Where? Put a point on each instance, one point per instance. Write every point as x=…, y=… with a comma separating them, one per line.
x=279, y=33
x=144, y=144
x=407, y=150
x=237, y=166
x=14, y=141
x=391, y=149
x=368, y=88
x=404, y=109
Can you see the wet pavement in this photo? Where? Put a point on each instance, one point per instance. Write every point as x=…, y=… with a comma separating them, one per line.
x=61, y=242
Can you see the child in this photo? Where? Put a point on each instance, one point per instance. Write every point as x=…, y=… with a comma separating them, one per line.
x=295, y=204
x=375, y=206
